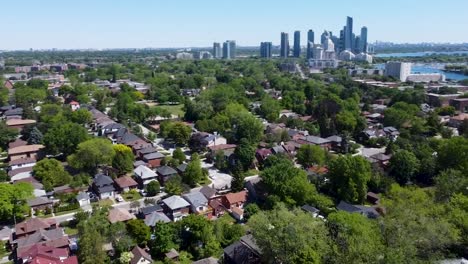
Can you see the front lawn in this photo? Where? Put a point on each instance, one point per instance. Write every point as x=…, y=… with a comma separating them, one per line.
x=71, y=231
x=174, y=109
x=131, y=196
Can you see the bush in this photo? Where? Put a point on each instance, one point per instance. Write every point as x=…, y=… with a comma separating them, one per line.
x=68, y=207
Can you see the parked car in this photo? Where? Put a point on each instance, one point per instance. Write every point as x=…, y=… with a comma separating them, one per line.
x=119, y=199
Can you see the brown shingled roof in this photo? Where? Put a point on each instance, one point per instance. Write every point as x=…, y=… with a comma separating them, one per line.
x=236, y=197
x=124, y=182
x=25, y=149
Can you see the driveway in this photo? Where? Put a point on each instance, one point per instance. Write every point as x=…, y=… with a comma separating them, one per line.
x=219, y=180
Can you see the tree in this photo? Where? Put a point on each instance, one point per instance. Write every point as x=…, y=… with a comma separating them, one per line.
x=179, y=155
x=51, y=173
x=164, y=236
x=403, y=165
x=6, y=134
x=173, y=186
x=64, y=138
x=35, y=136
x=356, y=239
x=153, y=188
x=414, y=227
x=226, y=232
x=139, y=231
x=289, y=236
x=291, y=185
x=450, y=182
x=250, y=210
x=90, y=245
x=193, y=173
x=245, y=154
x=458, y=216
x=81, y=116
x=125, y=257
x=309, y=155
x=13, y=200
x=177, y=131
x=91, y=154
x=270, y=108
x=453, y=154
x=123, y=158
x=196, y=234
x=4, y=176
x=349, y=176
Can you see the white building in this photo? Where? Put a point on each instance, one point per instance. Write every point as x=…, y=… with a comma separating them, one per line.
x=184, y=56
x=364, y=57
x=323, y=58
x=426, y=77
x=346, y=55
x=398, y=70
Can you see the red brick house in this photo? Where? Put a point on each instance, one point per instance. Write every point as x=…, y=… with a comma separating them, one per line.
x=33, y=225
x=231, y=200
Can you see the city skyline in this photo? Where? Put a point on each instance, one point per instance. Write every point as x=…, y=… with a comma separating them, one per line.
x=156, y=24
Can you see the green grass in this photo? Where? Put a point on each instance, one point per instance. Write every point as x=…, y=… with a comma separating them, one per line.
x=68, y=212
x=71, y=231
x=131, y=196
x=105, y=202
x=174, y=109
x=251, y=173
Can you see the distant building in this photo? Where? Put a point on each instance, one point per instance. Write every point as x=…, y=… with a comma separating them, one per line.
x=398, y=70
x=217, y=54
x=297, y=44
x=349, y=34
x=363, y=41
x=184, y=56
x=265, y=49
x=284, y=50
x=310, y=43
x=229, y=49
x=203, y=55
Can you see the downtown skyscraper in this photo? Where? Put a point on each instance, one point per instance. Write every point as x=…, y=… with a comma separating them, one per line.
x=348, y=34
x=265, y=49
x=284, y=50
x=310, y=43
x=363, y=40
x=297, y=44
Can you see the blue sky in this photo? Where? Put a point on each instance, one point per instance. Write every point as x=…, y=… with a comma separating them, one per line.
x=43, y=24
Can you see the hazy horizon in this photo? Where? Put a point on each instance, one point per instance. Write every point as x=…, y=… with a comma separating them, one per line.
x=140, y=24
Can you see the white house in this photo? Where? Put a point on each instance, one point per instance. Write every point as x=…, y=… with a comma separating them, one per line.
x=83, y=199
x=140, y=256
x=22, y=163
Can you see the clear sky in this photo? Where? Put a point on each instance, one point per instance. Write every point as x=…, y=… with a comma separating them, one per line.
x=44, y=24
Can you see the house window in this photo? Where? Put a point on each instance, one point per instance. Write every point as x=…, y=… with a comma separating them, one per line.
x=200, y=208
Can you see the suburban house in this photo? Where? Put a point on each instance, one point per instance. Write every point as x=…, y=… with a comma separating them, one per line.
x=140, y=256
x=51, y=238
x=198, y=204
x=145, y=211
x=19, y=123
x=46, y=254
x=314, y=140
x=369, y=212
x=27, y=151
x=181, y=168
x=335, y=142
x=165, y=173
x=176, y=207
x=155, y=217
x=310, y=209
x=40, y=203
x=208, y=192
x=109, y=130
x=231, y=200
x=144, y=175
x=457, y=121
x=209, y=260
x=22, y=163
x=217, y=207
x=74, y=105
x=33, y=225
x=83, y=198
x=262, y=154
x=244, y=251
x=140, y=153
x=125, y=183
x=153, y=159
x=103, y=186
x=201, y=140
x=119, y=215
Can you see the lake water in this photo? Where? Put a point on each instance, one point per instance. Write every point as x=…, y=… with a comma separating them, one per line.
x=419, y=54
x=427, y=67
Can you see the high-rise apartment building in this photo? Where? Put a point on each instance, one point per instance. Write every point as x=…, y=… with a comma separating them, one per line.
x=310, y=43
x=265, y=49
x=363, y=40
x=229, y=49
x=349, y=34
x=217, y=54
x=297, y=44
x=284, y=51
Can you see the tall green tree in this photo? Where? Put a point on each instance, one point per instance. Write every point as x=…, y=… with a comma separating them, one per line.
x=453, y=154
x=355, y=238
x=139, y=231
x=289, y=236
x=450, y=182
x=403, y=166
x=245, y=153
x=13, y=201
x=309, y=155
x=51, y=173
x=193, y=172
x=64, y=138
x=179, y=155
x=92, y=153
x=123, y=158
x=6, y=134
x=349, y=176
